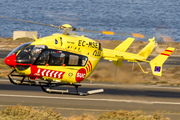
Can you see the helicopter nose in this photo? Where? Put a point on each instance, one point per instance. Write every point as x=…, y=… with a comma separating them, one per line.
x=11, y=60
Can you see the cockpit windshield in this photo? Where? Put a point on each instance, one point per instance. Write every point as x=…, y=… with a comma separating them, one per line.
x=29, y=54
x=19, y=48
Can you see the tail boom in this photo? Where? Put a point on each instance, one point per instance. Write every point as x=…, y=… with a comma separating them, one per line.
x=146, y=51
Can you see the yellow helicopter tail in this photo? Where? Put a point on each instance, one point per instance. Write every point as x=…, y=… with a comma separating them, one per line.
x=146, y=51
x=157, y=62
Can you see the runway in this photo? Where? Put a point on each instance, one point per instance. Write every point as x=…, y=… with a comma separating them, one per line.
x=115, y=97
x=4, y=53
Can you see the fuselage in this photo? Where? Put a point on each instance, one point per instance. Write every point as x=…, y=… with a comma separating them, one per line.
x=60, y=58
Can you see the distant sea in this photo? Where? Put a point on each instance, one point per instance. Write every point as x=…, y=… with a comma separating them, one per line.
x=149, y=17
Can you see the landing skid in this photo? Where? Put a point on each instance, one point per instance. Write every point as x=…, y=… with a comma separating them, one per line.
x=47, y=86
x=50, y=90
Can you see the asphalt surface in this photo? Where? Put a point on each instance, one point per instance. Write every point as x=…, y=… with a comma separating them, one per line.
x=4, y=53
x=149, y=99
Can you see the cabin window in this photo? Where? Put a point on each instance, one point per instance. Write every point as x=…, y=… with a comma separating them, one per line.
x=84, y=60
x=59, y=58
x=77, y=60
x=73, y=60
x=56, y=58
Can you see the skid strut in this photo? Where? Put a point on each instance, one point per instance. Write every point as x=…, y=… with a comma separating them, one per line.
x=47, y=86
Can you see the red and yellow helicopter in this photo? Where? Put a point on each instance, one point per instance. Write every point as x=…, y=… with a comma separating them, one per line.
x=68, y=59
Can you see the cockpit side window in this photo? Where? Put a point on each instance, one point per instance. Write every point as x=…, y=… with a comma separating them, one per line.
x=30, y=53
x=37, y=50
x=25, y=54
x=43, y=58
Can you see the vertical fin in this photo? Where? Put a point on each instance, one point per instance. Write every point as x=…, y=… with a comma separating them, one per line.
x=157, y=62
x=145, y=52
x=124, y=45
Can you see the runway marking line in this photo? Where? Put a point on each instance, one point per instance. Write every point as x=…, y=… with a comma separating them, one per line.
x=93, y=99
x=121, y=86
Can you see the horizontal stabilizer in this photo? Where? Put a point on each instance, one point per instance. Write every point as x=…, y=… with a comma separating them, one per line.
x=124, y=45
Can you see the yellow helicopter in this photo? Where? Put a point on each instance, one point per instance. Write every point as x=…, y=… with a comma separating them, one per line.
x=68, y=59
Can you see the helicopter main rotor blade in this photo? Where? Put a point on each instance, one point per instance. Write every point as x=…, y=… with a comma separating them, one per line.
x=136, y=35
x=10, y=18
